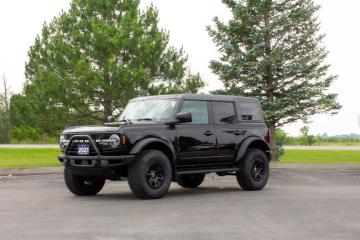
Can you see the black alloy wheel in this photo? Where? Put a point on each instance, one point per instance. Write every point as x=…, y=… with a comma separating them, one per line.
x=257, y=171
x=155, y=176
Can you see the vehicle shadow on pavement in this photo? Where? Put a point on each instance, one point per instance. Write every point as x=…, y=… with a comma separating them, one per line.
x=182, y=192
x=173, y=193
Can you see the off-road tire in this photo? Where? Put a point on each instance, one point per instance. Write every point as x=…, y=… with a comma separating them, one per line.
x=247, y=176
x=141, y=179
x=82, y=186
x=190, y=180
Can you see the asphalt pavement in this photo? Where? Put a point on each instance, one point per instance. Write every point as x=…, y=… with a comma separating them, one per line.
x=296, y=204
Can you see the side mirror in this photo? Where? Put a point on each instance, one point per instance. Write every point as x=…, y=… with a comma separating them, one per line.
x=110, y=119
x=184, y=117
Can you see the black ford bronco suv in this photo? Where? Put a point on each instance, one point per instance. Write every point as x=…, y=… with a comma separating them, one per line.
x=160, y=139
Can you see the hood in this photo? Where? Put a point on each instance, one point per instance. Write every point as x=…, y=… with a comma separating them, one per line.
x=90, y=129
x=107, y=128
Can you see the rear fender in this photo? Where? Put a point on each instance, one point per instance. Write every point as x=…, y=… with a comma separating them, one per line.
x=252, y=142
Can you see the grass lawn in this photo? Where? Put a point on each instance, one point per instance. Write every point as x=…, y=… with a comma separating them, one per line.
x=28, y=158
x=32, y=158
x=320, y=156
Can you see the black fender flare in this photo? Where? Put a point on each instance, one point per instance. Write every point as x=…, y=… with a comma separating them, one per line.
x=144, y=142
x=252, y=140
x=170, y=151
x=138, y=147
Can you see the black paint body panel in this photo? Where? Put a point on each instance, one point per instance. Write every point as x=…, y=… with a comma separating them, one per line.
x=193, y=146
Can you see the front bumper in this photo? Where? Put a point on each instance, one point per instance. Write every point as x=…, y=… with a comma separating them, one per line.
x=96, y=160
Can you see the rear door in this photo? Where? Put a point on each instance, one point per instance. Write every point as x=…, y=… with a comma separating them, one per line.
x=228, y=130
x=196, y=140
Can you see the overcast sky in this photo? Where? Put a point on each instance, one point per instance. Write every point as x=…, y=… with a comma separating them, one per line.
x=21, y=21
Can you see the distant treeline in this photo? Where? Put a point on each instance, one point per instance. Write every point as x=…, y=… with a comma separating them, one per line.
x=317, y=140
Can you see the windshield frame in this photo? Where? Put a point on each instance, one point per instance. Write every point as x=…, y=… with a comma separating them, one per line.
x=171, y=116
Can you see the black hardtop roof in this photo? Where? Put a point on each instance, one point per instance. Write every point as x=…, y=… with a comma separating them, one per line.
x=205, y=97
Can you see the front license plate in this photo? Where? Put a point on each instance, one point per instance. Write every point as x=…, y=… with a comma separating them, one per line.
x=83, y=149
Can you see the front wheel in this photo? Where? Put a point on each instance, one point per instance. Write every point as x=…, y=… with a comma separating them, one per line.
x=253, y=171
x=150, y=175
x=83, y=186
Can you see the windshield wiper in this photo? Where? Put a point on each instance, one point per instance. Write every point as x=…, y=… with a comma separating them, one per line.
x=118, y=122
x=124, y=120
x=144, y=119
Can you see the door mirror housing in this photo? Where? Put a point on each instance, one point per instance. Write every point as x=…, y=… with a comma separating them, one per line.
x=181, y=117
x=184, y=117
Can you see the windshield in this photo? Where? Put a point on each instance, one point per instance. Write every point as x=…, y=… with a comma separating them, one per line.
x=150, y=109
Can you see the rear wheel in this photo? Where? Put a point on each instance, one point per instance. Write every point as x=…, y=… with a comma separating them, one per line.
x=150, y=175
x=83, y=186
x=190, y=180
x=253, y=170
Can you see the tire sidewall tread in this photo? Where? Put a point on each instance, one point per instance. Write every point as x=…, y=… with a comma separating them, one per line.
x=136, y=174
x=244, y=177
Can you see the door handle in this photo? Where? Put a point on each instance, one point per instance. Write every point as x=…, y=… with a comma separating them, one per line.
x=239, y=132
x=208, y=133
x=236, y=132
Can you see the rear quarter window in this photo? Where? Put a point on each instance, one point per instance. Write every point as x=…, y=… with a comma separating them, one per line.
x=224, y=112
x=250, y=110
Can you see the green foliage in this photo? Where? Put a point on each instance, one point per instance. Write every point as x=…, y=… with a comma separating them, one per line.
x=306, y=138
x=280, y=140
x=319, y=140
x=272, y=49
x=281, y=136
x=18, y=134
x=4, y=125
x=4, y=112
x=89, y=61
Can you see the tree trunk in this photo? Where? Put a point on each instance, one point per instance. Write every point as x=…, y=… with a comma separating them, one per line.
x=107, y=109
x=273, y=142
x=269, y=83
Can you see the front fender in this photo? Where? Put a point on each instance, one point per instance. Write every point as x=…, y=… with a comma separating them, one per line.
x=142, y=143
x=252, y=141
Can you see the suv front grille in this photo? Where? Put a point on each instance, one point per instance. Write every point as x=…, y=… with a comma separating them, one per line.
x=105, y=150
x=72, y=148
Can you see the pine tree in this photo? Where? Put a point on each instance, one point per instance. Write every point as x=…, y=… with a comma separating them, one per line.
x=272, y=49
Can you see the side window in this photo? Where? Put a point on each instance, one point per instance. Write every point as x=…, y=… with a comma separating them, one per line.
x=198, y=109
x=250, y=110
x=224, y=112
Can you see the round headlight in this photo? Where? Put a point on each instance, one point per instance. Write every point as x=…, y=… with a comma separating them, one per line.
x=63, y=141
x=114, y=140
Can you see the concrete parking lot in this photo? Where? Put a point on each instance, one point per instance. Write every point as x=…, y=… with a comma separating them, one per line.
x=296, y=204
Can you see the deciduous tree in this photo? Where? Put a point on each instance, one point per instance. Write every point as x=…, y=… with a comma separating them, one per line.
x=99, y=54
x=5, y=94
x=90, y=60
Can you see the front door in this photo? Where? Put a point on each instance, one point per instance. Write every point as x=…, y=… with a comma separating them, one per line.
x=196, y=140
